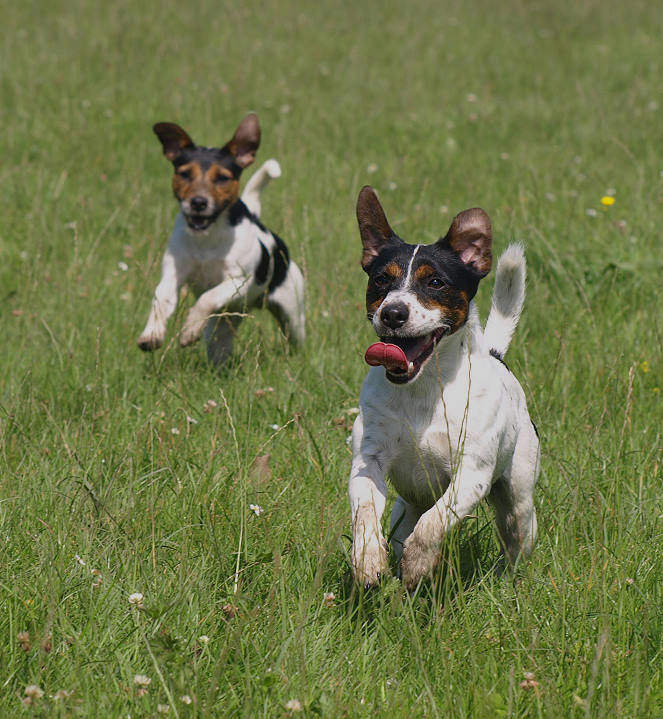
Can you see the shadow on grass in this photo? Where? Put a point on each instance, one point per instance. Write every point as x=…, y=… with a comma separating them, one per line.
x=464, y=566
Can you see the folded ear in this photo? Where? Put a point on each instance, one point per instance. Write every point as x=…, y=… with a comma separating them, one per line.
x=173, y=139
x=373, y=226
x=246, y=141
x=470, y=237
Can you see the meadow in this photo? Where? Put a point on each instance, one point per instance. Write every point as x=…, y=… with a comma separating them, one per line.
x=174, y=540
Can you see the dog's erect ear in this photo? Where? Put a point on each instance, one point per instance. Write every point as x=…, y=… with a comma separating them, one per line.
x=373, y=226
x=470, y=237
x=173, y=138
x=246, y=141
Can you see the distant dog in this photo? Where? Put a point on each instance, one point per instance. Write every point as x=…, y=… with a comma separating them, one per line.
x=220, y=248
x=440, y=413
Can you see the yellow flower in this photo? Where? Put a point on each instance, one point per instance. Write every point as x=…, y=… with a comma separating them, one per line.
x=607, y=200
x=644, y=366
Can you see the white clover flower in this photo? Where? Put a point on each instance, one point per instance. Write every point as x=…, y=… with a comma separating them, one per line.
x=191, y=420
x=123, y=266
x=203, y=639
x=174, y=430
x=256, y=509
x=186, y=699
x=136, y=599
x=79, y=560
x=328, y=599
x=293, y=705
x=33, y=691
x=591, y=212
x=163, y=708
x=141, y=680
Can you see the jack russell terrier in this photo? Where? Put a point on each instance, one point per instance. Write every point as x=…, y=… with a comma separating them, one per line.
x=440, y=413
x=219, y=246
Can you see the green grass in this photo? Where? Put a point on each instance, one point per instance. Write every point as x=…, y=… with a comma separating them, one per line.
x=531, y=110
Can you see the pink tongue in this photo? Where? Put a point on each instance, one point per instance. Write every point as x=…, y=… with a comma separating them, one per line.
x=391, y=356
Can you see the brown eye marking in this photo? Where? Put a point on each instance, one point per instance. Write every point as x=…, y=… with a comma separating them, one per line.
x=394, y=270
x=219, y=174
x=453, y=306
x=423, y=271
x=372, y=306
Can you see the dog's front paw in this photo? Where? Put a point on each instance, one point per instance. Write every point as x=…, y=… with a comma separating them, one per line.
x=150, y=340
x=193, y=328
x=418, y=561
x=369, y=561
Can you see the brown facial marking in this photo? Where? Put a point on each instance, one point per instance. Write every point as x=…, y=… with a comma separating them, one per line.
x=196, y=182
x=222, y=185
x=187, y=186
x=394, y=270
x=453, y=306
x=372, y=306
x=423, y=271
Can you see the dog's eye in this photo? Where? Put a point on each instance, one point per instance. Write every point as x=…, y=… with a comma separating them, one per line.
x=184, y=174
x=435, y=283
x=221, y=179
x=382, y=280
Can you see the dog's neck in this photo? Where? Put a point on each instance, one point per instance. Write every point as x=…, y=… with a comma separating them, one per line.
x=450, y=355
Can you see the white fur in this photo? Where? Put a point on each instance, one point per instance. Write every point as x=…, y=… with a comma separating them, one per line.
x=251, y=196
x=219, y=265
x=508, y=299
x=459, y=433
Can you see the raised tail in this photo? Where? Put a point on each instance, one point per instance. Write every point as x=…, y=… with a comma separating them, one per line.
x=508, y=298
x=269, y=170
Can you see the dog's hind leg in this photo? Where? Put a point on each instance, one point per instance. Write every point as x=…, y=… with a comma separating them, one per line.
x=220, y=335
x=403, y=520
x=251, y=196
x=512, y=499
x=286, y=303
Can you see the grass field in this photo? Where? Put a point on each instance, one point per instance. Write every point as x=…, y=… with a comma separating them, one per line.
x=115, y=480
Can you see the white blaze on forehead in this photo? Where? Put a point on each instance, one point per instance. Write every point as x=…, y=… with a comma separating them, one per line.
x=409, y=267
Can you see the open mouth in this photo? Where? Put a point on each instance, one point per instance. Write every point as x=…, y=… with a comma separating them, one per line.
x=200, y=222
x=403, y=357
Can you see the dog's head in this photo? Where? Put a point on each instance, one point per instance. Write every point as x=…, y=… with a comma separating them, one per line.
x=418, y=294
x=206, y=179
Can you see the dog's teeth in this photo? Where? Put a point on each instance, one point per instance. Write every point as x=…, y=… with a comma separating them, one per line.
x=410, y=367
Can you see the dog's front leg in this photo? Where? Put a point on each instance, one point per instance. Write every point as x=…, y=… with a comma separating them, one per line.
x=233, y=289
x=173, y=275
x=368, y=496
x=422, y=548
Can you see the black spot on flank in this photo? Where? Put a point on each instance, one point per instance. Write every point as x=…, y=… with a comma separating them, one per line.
x=536, y=431
x=263, y=267
x=281, y=263
x=494, y=353
x=239, y=211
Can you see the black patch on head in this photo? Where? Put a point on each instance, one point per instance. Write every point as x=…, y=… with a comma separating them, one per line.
x=379, y=282
x=263, y=267
x=208, y=156
x=449, y=267
x=281, y=263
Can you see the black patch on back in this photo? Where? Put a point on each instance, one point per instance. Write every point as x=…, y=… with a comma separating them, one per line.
x=494, y=353
x=536, y=431
x=281, y=263
x=239, y=211
x=263, y=267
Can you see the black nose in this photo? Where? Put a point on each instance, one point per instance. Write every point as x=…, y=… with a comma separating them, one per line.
x=395, y=315
x=198, y=204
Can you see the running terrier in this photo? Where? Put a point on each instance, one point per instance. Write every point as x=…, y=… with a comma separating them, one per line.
x=219, y=246
x=440, y=413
